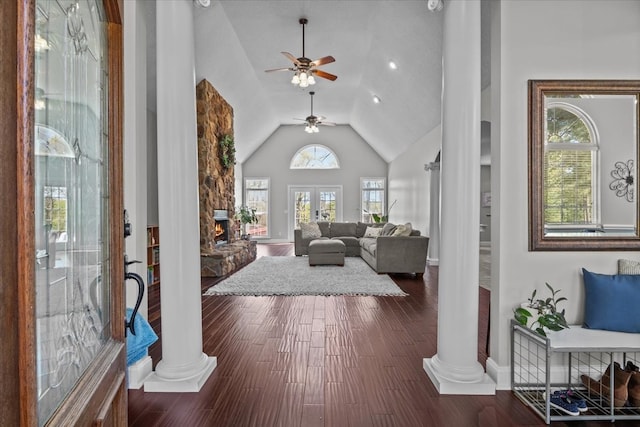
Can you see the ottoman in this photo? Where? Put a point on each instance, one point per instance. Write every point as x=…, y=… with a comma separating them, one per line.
x=326, y=252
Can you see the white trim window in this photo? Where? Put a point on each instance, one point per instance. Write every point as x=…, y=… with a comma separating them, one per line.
x=372, y=199
x=315, y=157
x=571, y=197
x=256, y=196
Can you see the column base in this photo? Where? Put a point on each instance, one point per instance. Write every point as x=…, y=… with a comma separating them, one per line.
x=485, y=386
x=138, y=372
x=191, y=384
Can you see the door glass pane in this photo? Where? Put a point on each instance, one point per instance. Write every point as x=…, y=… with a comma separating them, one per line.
x=327, y=206
x=302, y=213
x=71, y=223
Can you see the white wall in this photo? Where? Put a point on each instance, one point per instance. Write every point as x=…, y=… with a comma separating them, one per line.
x=135, y=151
x=357, y=159
x=408, y=182
x=539, y=40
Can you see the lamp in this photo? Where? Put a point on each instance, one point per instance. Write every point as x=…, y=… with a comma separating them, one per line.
x=303, y=77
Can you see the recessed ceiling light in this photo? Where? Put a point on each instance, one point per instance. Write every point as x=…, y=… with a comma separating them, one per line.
x=393, y=65
x=376, y=99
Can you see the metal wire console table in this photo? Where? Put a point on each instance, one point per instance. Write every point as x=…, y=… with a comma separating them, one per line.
x=540, y=365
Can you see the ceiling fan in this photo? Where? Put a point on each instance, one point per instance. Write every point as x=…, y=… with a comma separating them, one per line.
x=312, y=121
x=304, y=69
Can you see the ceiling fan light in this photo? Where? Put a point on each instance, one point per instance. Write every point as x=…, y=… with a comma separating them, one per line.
x=311, y=80
x=308, y=129
x=295, y=80
x=304, y=83
x=315, y=129
x=303, y=76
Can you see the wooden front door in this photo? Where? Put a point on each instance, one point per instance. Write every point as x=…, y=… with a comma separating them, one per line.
x=68, y=208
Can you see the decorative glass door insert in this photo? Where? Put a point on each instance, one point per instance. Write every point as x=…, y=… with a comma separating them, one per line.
x=71, y=195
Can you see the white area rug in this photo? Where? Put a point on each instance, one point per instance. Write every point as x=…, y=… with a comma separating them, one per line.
x=286, y=275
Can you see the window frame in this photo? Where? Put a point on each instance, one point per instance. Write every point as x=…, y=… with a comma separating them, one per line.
x=383, y=191
x=594, y=147
x=310, y=146
x=246, y=190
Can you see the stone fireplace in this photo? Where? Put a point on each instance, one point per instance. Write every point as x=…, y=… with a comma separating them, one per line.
x=220, y=252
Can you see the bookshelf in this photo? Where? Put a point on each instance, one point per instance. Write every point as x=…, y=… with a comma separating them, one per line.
x=153, y=255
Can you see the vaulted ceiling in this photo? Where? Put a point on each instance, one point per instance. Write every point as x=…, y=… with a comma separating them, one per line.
x=236, y=41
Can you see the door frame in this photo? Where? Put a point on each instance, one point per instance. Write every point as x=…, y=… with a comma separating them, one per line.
x=315, y=188
x=99, y=397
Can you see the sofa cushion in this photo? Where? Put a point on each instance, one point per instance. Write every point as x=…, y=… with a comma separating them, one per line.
x=402, y=230
x=388, y=229
x=372, y=232
x=611, y=301
x=369, y=244
x=342, y=229
x=310, y=230
x=324, y=228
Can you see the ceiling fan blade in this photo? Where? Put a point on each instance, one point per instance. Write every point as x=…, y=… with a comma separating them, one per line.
x=302, y=120
x=326, y=123
x=291, y=57
x=278, y=69
x=324, y=74
x=321, y=118
x=324, y=60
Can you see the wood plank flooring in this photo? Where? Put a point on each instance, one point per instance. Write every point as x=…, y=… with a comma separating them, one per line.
x=324, y=361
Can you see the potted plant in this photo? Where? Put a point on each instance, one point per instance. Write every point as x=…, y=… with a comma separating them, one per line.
x=246, y=215
x=549, y=317
x=384, y=218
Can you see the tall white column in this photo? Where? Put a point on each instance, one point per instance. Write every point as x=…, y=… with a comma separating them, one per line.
x=455, y=369
x=184, y=367
x=433, y=253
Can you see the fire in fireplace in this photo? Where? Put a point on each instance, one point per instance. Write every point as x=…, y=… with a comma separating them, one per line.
x=221, y=220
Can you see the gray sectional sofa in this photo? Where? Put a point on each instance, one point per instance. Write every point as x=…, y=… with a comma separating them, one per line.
x=385, y=254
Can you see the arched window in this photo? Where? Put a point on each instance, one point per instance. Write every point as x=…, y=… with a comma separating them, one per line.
x=570, y=167
x=315, y=157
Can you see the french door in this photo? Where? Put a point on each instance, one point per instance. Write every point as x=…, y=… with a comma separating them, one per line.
x=70, y=215
x=314, y=203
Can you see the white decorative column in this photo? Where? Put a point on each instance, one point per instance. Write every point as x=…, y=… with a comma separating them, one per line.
x=433, y=253
x=184, y=367
x=455, y=369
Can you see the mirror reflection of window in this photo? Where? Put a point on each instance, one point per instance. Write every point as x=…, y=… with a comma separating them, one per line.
x=570, y=169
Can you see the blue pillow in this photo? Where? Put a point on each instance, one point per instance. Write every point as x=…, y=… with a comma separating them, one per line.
x=612, y=301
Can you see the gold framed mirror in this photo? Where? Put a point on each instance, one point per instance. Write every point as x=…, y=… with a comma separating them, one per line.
x=583, y=163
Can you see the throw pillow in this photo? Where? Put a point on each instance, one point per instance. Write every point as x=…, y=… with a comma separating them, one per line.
x=310, y=230
x=628, y=266
x=611, y=301
x=388, y=229
x=403, y=230
x=372, y=232
x=361, y=227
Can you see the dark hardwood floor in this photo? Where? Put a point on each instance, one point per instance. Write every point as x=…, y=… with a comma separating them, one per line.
x=324, y=361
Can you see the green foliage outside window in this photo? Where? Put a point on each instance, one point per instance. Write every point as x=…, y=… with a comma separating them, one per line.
x=568, y=169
